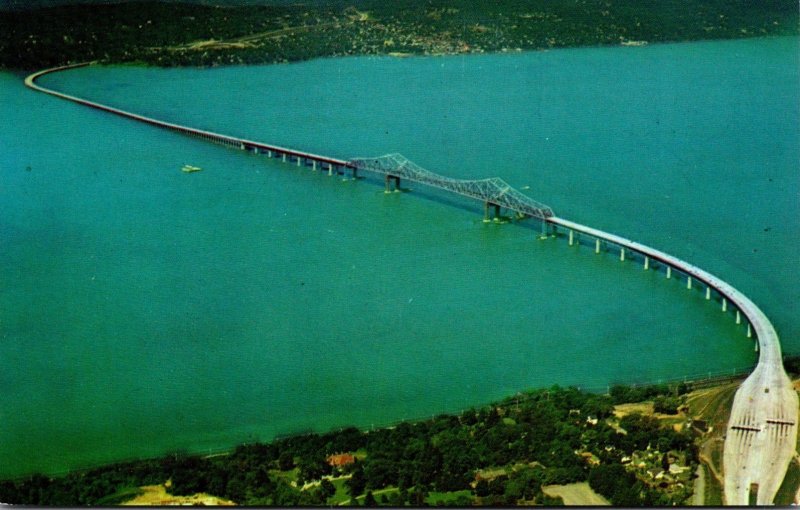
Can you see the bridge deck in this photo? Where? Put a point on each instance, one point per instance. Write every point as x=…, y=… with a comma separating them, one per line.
x=232, y=141
x=762, y=429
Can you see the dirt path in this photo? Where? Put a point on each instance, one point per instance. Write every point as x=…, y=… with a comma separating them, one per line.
x=699, y=496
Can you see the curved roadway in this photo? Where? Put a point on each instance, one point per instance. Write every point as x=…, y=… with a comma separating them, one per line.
x=762, y=430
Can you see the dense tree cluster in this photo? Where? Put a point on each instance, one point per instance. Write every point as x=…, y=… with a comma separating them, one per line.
x=540, y=438
x=792, y=364
x=159, y=33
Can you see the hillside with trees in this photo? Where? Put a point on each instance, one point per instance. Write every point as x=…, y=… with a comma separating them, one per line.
x=176, y=34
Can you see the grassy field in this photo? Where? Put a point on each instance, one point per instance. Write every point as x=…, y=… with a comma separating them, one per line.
x=713, y=493
x=788, y=490
x=713, y=404
x=578, y=494
x=447, y=498
x=121, y=496
x=156, y=495
x=341, y=494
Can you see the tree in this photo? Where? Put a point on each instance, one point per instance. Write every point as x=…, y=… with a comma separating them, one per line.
x=379, y=472
x=417, y=495
x=313, y=468
x=285, y=461
x=369, y=499
x=285, y=494
x=357, y=482
x=666, y=404
x=327, y=488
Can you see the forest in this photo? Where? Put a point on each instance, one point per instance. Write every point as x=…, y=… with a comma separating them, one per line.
x=177, y=34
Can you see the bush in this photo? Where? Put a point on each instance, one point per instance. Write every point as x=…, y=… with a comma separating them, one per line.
x=666, y=405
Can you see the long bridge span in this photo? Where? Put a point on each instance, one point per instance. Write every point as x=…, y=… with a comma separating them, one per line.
x=762, y=430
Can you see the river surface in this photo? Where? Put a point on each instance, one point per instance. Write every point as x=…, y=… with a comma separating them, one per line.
x=144, y=310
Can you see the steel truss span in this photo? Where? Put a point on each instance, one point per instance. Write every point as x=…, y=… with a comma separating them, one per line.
x=494, y=191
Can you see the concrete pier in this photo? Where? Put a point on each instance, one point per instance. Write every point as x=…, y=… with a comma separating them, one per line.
x=486, y=216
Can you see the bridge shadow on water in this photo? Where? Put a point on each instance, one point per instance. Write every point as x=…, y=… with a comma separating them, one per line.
x=449, y=199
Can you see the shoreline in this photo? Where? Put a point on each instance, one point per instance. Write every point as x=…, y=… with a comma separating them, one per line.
x=700, y=416
x=401, y=55
x=702, y=383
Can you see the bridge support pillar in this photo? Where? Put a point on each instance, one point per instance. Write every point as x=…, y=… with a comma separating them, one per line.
x=724, y=305
x=330, y=168
x=738, y=317
x=688, y=282
x=749, y=331
x=669, y=271
x=389, y=179
x=646, y=262
x=486, y=217
x=283, y=158
x=571, y=237
x=299, y=161
x=622, y=254
x=597, y=245
x=269, y=153
x=708, y=293
x=314, y=165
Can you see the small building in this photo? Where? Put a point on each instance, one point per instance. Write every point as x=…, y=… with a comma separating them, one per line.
x=340, y=460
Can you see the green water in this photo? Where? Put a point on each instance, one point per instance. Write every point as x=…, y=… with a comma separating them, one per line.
x=145, y=310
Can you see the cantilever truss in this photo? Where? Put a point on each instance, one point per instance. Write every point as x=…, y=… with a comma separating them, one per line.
x=493, y=191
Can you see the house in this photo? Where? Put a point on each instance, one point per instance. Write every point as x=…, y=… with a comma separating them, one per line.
x=340, y=460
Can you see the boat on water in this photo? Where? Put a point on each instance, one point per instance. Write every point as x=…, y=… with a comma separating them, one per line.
x=190, y=168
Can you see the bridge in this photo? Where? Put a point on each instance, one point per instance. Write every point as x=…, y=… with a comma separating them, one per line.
x=762, y=430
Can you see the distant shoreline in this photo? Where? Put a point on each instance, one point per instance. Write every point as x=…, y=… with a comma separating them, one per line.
x=196, y=35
